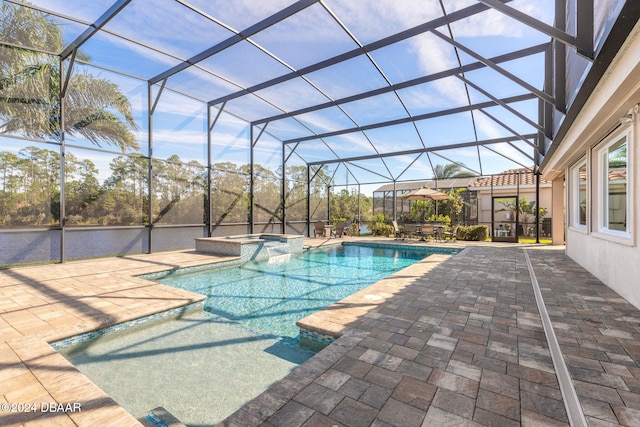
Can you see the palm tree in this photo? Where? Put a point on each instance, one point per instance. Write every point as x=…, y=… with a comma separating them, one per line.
x=95, y=108
x=451, y=170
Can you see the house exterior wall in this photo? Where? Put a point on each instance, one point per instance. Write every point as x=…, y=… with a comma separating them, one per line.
x=612, y=257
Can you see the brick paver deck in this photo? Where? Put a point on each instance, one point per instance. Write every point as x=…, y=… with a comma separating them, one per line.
x=41, y=304
x=449, y=341
x=464, y=345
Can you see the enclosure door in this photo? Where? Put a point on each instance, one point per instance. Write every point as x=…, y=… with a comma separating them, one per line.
x=504, y=219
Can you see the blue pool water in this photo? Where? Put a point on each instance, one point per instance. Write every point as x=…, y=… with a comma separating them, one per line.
x=269, y=297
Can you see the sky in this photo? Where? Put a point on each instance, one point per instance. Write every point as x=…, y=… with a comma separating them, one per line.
x=312, y=35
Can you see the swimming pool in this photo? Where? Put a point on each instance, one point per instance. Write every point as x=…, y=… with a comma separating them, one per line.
x=269, y=297
x=203, y=365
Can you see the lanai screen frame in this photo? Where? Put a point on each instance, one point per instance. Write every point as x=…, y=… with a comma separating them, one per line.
x=548, y=97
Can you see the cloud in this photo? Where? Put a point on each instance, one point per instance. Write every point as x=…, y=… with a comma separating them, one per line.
x=487, y=128
x=240, y=14
x=182, y=138
x=376, y=19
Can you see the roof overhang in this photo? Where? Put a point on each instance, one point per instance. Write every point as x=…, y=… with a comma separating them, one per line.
x=610, y=90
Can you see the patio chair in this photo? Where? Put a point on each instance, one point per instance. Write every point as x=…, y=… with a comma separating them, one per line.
x=339, y=231
x=410, y=230
x=397, y=232
x=426, y=230
x=438, y=231
x=354, y=229
x=319, y=229
x=452, y=235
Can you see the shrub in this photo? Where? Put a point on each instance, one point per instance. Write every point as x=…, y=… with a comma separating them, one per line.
x=443, y=219
x=379, y=227
x=336, y=220
x=382, y=229
x=473, y=232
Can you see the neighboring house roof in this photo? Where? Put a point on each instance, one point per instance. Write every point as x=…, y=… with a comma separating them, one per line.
x=508, y=178
x=618, y=174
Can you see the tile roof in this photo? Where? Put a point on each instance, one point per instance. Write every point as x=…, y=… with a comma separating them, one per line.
x=509, y=177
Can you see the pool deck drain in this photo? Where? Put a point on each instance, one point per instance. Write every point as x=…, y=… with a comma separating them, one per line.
x=569, y=395
x=462, y=344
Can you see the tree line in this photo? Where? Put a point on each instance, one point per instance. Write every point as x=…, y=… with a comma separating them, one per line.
x=30, y=192
x=31, y=84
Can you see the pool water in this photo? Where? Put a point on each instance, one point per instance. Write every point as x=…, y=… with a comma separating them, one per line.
x=199, y=367
x=270, y=297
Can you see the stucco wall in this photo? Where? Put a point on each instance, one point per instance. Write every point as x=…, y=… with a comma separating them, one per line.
x=615, y=265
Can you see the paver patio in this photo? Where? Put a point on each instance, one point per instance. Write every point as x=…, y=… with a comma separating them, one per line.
x=457, y=342
x=464, y=345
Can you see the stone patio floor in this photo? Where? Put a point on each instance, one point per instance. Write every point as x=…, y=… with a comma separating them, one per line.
x=462, y=344
x=448, y=341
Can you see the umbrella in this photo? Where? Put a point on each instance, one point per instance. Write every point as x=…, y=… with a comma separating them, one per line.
x=425, y=193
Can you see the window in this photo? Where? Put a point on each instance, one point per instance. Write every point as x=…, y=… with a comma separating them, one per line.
x=579, y=195
x=614, y=203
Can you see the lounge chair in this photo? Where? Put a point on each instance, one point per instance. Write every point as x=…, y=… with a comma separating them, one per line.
x=319, y=229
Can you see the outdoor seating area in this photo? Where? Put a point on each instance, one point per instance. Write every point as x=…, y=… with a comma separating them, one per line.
x=423, y=231
x=339, y=230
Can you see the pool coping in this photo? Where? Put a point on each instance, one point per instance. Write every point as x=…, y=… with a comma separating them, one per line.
x=327, y=325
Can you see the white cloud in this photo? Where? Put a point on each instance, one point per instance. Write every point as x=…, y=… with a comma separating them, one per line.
x=240, y=14
x=86, y=10
x=320, y=122
x=183, y=138
x=376, y=19
x=487, y=128
x=354, y=143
